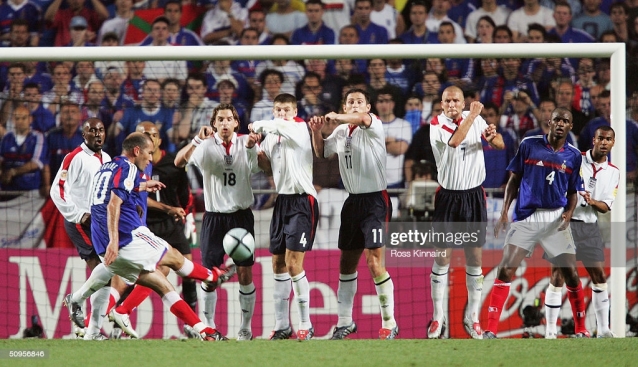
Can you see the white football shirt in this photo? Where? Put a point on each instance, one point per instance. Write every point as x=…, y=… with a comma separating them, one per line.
x=463, y=167
x=226, y=172
x=601, y=180
x=289, y=149
x=362, y=156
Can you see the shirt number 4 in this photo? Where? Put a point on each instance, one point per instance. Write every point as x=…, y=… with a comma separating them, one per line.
x=550, y=177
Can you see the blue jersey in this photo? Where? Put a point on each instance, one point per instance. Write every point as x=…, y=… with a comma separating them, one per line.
x=42, y=119
x=304, y=36
x=59, y=145
x=27, y=11
x=122, y=178
x=410, y=38
x=496, y=160
x=374, y=34
x=546, y=176
x=12, y=155
x=162, y=117
x=142, y=196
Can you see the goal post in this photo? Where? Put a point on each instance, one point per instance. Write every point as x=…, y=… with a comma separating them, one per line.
x=616, y=51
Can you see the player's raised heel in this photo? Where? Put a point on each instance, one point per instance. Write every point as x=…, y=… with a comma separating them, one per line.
x=436, y=329
x=281, y=334
x=340, y=332
x=123, y=321
x=190, y=332
x=75, y=312
x=305, y=334
x=473, y=328
x=223, y=275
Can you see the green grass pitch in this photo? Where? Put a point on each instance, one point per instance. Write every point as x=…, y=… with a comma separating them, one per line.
x=324, y=353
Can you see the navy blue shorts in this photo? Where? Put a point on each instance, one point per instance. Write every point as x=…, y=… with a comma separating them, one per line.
x=214, y=228
x=294, y=223
x=173, y=233
x=461, y=214
x=590, y=246
x=363, y=218
x=81, y=238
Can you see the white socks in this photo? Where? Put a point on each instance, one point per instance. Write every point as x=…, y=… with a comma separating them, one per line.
x=281, y=297
x=553, y=301
x=302, y=294
x=99, y=304
x=385, y=290
x=247, y=296
x=345, y=298
x=600, y=298
x=98, y=279
x=210, y=303
x=474, y=283
x=438, y=281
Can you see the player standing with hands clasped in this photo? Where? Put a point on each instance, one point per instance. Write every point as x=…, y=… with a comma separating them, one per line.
x=601, y=183
x=360, y=144
x=545, y=179
x=456, y=143
x=226, y=162
x=296, y=213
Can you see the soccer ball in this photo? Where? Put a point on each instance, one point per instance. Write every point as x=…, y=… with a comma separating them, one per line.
x=239, y=244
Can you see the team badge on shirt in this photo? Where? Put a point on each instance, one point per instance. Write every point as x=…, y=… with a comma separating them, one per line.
x=228, y=159
x=563, y=167
x=64, y=174
x=348, y=142
x=128, y=184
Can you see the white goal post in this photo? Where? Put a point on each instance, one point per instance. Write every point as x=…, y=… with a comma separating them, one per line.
x=614, y=50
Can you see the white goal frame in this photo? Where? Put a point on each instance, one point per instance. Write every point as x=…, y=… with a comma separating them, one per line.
x=616, y=51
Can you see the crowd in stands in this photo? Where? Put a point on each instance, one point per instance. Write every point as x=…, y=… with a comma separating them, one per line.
x=179, y=96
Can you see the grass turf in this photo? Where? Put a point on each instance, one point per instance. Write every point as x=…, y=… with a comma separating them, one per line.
x=368, y=353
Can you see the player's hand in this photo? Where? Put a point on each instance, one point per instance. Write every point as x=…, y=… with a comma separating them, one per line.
x=501, y=226
x=475, y=108
x=490, y=132
x=86, y=220
x=332, y=116
x=8, y=176
x=177, y=213
x=566, y=218
x=250, y=128
x=253, y=138
x=205, y=132
x=111, y=253
x=190, y=230
x=316, y=123
x=586, y=196
x=154, y=186
x=264, y=163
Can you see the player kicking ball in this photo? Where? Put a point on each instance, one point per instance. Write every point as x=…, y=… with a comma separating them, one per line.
x=545, y=180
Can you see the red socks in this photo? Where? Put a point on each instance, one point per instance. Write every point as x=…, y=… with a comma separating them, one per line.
x=499, y=294
x=182, y=310
x=577, y=300
x=137, y=296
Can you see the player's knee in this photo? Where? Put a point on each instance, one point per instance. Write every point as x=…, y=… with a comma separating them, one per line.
x=506, y=273
x=244, y=275
x=597, y=275
x=571, y=277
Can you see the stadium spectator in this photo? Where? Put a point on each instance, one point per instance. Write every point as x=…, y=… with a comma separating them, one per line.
x=84, y=75
x=496, y=160
x=285, y=19
x=563, y=29
x=418, y=33
x=23, y=156
x=224, y=21
x=227, y=86
x=459, y=70
x=452, y=135
x=177, y=35
x=331, y=85
x=619, y=15
x=311, y=104
x=377, y=69
x=171, y=94
x=66, y=137
x=498, y=15
x=161, y=70
x=108, y=39
x=197, y=111
x=564, y=98
x=247, y=68
x=114, y=99
x=72, y=187
x=22, y=30
x=338, y=14
x=484, y=30
x=315, y=32
x=150, y=109
x=601, y=179
x=291, y=70
x=489, y=82
x=294, y=223
x=359, y=143
x=132, y=84
x=398, y=135
x=460, y=10
x=94, y=106
x=429, y=90
x=584, y=87
x=12, y=96
x=257, y=20
x=438, y=14
x=228, y=207
x=513, y=80
x=592, y=20
x=369, y=33
x=42, y=119
x=59, y=19
x=63, y=89
x=542, y=216
x=521, y=116
x=388, y=17
x=349, y=35
x=420, y=149
x=219, y=69
x=271, y=80
x=118, y=24
x=399, y=74
x=414, y=112
x=502, y=34
x=78, y=32
x=531, y=12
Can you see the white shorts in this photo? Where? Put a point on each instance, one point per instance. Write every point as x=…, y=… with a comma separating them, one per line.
x=143, y=253
x=542, y=227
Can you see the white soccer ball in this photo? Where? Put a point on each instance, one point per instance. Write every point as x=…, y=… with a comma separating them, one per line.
x=239, y=244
